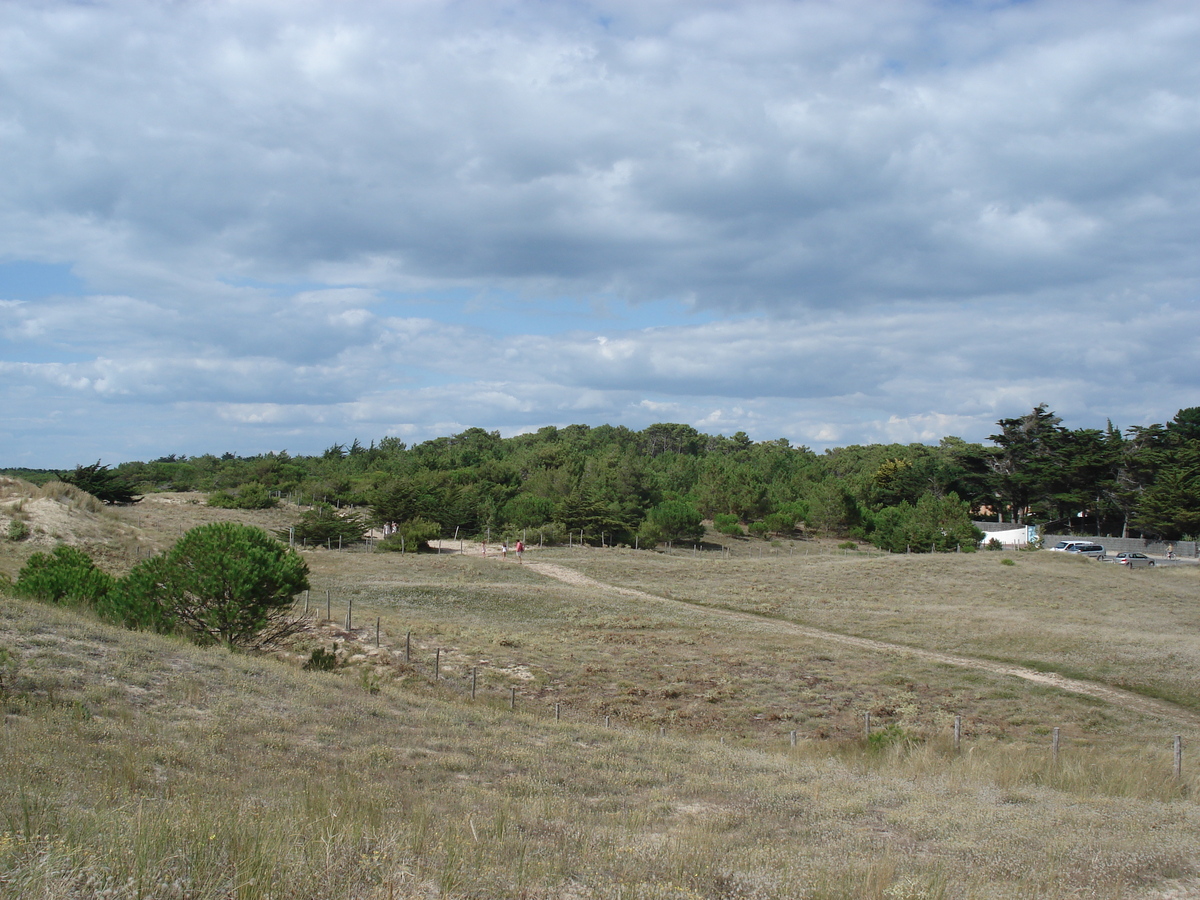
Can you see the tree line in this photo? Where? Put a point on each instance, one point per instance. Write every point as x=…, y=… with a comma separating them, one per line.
x=618, y=486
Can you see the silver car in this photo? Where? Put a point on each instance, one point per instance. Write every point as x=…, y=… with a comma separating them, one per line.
x=1095, y=551
x=1133, y=559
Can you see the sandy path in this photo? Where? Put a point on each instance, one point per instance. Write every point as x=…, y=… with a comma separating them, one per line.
x=1116, y=696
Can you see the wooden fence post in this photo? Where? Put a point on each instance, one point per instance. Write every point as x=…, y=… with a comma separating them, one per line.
x=867, y=724
x=1054, y=741
x=377, y=633
x=437, y=663
x=408, y=647
x=474, y=680
x=512, y=701
x=1178, y=757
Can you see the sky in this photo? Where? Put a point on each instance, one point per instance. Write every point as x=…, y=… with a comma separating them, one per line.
x=271, y=225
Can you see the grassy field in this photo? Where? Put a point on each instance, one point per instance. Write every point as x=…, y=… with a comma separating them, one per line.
x=616, y=746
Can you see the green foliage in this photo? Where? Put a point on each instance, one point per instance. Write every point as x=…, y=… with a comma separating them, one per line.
x=323, y=524
x=143, y=599
x=1007, y=562
x=102, y=484
x=606, y=480
x=226, y=583
x=847, y=545
x=993, y=544
x=65, y=576
x=249, y=496
x=888, y=736
x=932, y=524
x=322, y=660
x=17, y=530
x=727, y=523
x=677, y=520
x=412, y=536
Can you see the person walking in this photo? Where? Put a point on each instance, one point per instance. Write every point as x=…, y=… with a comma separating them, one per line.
x=520, y=550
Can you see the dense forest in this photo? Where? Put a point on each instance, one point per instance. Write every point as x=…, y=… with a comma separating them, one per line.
x=612, y=485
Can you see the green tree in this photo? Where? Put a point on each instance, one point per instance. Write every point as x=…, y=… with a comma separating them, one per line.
x=142, y=600
x=104, y=485
x=1026, y=464
x=230, y=583
x=931, y=524
x=677, y=520
x=324, y=524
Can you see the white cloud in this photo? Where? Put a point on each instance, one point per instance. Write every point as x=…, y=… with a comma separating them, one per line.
x=885, y=219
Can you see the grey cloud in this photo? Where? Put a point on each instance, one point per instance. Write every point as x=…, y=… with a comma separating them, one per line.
x=850, y=157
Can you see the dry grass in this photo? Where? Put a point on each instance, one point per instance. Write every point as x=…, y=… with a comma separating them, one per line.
x=138, y=766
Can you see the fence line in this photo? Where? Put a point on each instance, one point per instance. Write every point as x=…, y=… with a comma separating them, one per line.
x=470, y=687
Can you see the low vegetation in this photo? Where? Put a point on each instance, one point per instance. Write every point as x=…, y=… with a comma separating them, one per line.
x=606, y=723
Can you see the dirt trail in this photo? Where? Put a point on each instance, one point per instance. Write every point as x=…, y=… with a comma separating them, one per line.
x=1116, y=696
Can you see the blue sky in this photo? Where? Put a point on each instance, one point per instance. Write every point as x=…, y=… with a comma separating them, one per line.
x=250, y=226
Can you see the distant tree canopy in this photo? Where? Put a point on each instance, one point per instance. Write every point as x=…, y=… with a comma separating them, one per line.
x=611, y=484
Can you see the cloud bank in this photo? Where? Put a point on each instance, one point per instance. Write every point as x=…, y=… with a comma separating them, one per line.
x=255, y=225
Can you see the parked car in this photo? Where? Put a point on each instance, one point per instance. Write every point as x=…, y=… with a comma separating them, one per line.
x=1068, y=545
x=1093, y=551
x=1125, y=558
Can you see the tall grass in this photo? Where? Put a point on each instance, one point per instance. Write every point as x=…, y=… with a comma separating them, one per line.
x=133, y=766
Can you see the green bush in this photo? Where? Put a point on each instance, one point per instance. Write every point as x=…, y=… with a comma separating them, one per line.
x=889, y=735
x=727, y=523
x=325, y=525
x=677, y=520
x=847, y=545
x=322, y=660
x=251, y=495
x=224, y=583
x=412, y=536
x=142, y=599
x=17, y=530
x=64, y=576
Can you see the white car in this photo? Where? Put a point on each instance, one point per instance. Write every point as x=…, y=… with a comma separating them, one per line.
x=1133, y=559
x=1064, y=546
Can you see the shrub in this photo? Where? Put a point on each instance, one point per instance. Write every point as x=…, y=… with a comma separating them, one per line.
x=323, y=524
x=104, y=485
x=677, y=520
x=227, y=583
x=412, y=536
x=251, y=495
x=889, y=735
x=64, y=576
x=1007, y=562
x=847, y=545
x=727, y=523
x=322, y=660
x=993, y=544
x=17, y=530
x=142, y=599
